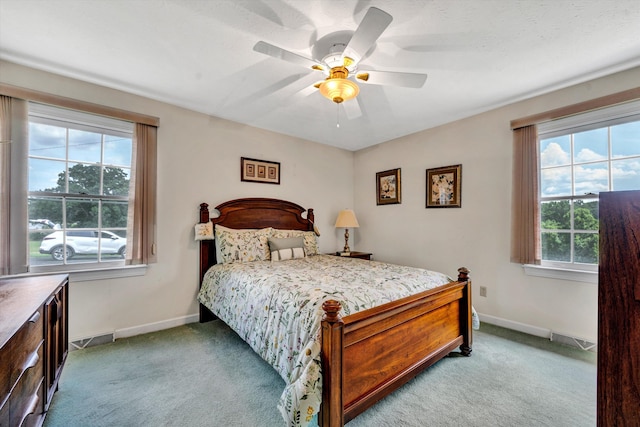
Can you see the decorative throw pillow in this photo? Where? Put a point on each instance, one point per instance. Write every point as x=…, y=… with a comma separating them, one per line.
x=242, y=245
x=309, y=238
x=204, y=231
x=286, y=248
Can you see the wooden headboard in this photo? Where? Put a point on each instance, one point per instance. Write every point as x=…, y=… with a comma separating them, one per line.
x=253, y=212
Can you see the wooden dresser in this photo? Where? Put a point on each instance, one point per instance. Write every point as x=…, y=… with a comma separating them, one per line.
x=33, y=346
x=619, y=310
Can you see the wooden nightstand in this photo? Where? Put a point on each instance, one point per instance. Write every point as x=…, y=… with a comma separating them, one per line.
x=355, y=254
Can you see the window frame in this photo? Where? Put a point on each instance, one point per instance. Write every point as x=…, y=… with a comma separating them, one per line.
x=146, y=157
x=605, y=117
x=63, y=118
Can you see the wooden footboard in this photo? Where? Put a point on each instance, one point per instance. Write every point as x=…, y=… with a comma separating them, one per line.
x=371, y=353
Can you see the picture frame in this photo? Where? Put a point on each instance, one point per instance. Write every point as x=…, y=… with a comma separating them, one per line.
x=444, y=187
x=388, y=187
x=263, y=171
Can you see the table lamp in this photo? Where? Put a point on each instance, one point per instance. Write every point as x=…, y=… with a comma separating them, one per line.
x=347, y=219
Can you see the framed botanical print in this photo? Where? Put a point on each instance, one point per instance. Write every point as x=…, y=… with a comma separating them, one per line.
x=264, y=171
x=388, y=189
x=444, y=187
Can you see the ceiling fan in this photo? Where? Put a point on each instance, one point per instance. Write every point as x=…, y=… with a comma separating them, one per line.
x=343, y=61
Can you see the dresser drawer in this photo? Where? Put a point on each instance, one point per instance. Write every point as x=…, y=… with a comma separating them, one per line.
x=35, y=415
x=24, y=345
x=5, y=374
x=27, y=396
x=33, y=345
x=4, y=413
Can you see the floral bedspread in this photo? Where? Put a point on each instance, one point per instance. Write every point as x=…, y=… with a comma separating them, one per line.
x=276, y=307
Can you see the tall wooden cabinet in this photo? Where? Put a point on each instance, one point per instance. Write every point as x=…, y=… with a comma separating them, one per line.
x=33, y=346
x=619, y=310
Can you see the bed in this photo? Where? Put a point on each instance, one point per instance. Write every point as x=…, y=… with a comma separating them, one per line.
x=360, y=351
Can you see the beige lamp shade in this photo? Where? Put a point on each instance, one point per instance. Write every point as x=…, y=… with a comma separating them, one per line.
x=347, y=219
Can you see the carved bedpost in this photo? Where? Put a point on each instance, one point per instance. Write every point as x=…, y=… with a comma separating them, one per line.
x=204, y=213
x=463, y=274
x=332, y=409
x=206, y=252
x=466, y=314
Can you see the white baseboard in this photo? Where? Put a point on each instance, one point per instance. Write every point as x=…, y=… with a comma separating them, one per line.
x=516, y=326
x=156, y=326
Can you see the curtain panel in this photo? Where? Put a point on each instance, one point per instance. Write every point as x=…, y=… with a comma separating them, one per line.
x=14, y=127
x=525, y=212
x=141, y=230
x=5, y=182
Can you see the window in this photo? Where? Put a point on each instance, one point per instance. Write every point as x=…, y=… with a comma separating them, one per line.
x=79, y=176
x=580, y=157
x=78, y=187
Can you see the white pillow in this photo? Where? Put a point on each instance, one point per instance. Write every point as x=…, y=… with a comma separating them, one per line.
x=286, y=248
x=244, y=245
x=309, y=238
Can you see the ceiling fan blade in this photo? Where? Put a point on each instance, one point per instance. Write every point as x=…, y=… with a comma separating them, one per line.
x=285, y=55
x=352, y=109
x=375, y=21
x=392, y=78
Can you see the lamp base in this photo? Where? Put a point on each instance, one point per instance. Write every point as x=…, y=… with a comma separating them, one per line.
x=346, y=241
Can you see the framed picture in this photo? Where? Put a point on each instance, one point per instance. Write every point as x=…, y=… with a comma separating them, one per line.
x=444, y=187
x=388, y=189
x=264, y=171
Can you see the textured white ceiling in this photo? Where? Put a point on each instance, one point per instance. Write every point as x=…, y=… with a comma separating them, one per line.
x=479, y=54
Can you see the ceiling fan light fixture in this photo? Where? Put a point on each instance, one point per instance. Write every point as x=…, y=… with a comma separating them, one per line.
x=339, y=90
x=337, y=87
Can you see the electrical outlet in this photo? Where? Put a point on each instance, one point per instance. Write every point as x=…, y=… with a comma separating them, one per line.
x=483, y=291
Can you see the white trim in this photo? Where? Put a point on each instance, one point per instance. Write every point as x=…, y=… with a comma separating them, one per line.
x=108, y=273
x=155, y=326
x=561, y=273
x=89, y=275
x=516, y=326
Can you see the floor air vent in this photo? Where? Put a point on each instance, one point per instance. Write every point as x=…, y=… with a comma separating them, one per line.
x=574, y=342
x=90, y=342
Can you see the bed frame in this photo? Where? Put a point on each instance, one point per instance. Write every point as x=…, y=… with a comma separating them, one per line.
x=369, y=354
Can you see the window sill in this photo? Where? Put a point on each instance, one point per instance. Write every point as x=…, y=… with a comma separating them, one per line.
x=108, y=273
x=560, y=273
x=80, y=275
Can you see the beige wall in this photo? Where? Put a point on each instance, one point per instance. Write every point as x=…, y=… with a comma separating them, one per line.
x=477, y=235
x=198, y=161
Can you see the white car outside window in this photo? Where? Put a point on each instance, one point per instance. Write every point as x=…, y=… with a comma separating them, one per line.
x=82, y=242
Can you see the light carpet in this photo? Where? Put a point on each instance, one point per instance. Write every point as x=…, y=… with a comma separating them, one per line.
x=205, y=375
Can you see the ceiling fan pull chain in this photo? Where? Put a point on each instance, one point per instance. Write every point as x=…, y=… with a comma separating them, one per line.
x=338, y=115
